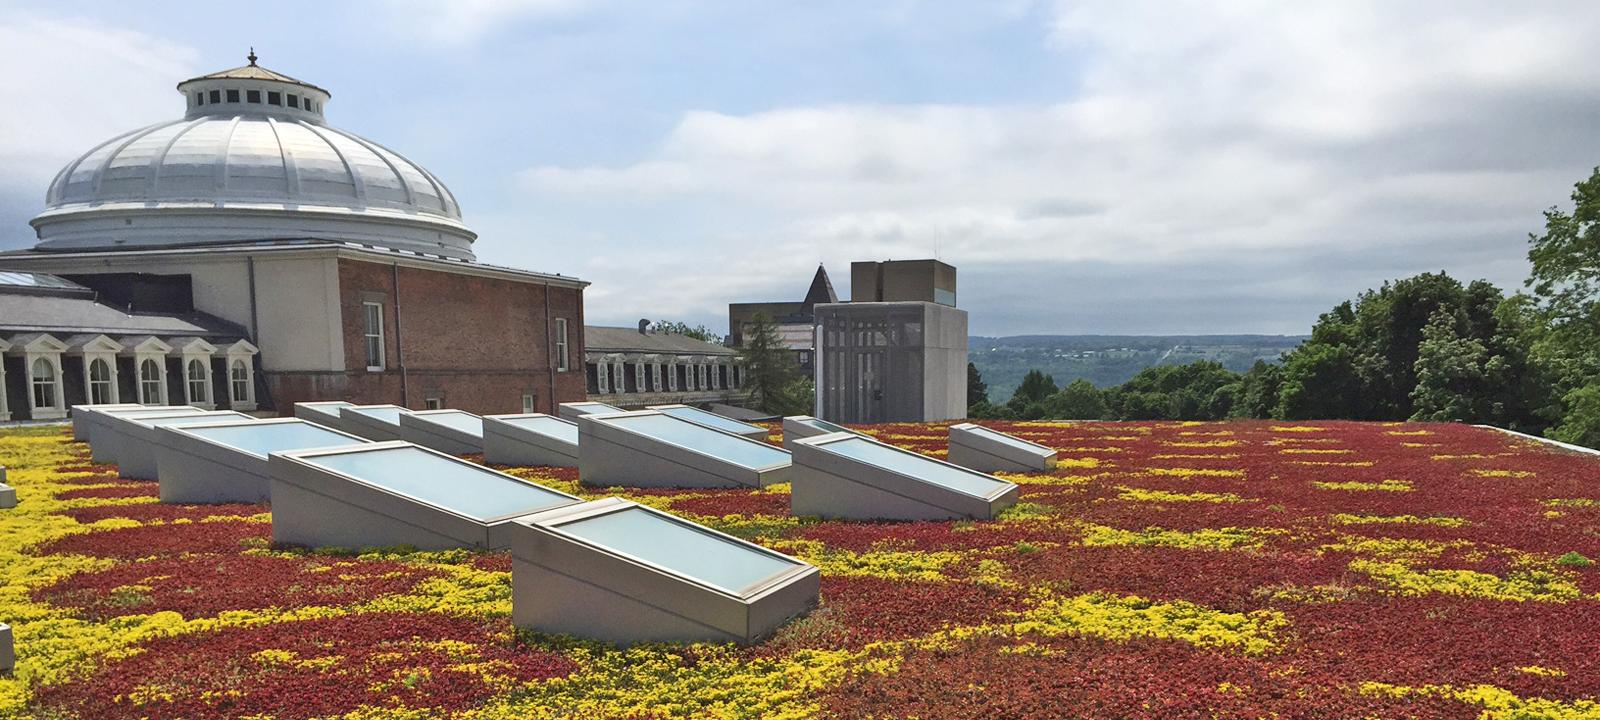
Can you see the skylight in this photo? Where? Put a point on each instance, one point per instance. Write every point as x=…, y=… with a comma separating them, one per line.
x=711, y=420
x=458, y=486
x=702, y=439
x=680, y=547
x=269, y=437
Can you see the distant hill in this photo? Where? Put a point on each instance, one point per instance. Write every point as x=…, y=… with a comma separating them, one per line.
x=1107, y=360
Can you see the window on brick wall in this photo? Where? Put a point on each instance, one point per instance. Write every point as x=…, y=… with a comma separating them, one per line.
x=432, y=403
x=527, y=402
x=372, y=333
x=561, y=344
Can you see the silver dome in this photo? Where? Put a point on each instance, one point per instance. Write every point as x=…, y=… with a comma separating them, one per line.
x=243, y=169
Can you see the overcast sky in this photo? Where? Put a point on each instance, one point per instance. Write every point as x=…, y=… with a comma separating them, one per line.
x=1105, y=167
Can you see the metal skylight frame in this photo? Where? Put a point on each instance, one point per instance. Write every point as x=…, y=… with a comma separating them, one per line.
x=321, y=412
x=134, y=439
x=804, y=426
x=99, y=422
x=319, y=506
x=80, y=430
x=565, y=583
x=421, y=427
x=829, y=484
x=573, y=410
x=356, y=420
x=610, y=454
x=988, y=450
x=712, y=420
x=194, y=468
x=509, y=442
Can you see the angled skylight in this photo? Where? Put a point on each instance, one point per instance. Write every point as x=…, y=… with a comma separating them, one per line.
x=323, y=412
x=572, y=410
x=226, y=461
x=681, y=547
x=651, y=449
x=618, y=571
x=980, y=448
x=546, y=425
x=844, y=475
x=711, y=420
x=461, y=487
x=922, y=467
x=262, y=438
x=133, y=438
x=530, y=439
x=454, y=419
x=383, y=413
x=702, y=439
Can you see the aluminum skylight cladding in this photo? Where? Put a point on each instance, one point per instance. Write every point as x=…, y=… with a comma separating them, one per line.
x=980, y=448
x=101, y=421
x=712, y=420
x=653, y=449
x=804, y=426
x=571, y=411
x=135, y=438
x=80, y=426
x=396, y=493
x=622, y=572
x=374, y=422
x=323, y=413
x=850, y=476
x=227, y=461
x=269, y=436
x=457, y=432
x=530, y=439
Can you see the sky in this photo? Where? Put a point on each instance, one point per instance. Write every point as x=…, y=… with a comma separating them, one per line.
x=1117, y=167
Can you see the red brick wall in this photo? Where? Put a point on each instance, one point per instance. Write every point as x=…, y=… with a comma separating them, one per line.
x=475, y=343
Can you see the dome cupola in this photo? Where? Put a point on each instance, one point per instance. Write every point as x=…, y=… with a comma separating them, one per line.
x=253, y=158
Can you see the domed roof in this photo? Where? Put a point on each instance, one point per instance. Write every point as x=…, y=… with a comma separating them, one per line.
x=252, y=159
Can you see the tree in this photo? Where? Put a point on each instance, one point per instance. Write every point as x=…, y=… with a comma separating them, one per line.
x=1079, y=400
x=698, y=332
x=1258, y=392
x=1028, y=400
x=770, y=373
x=1565, y=280
x=1201, y=390
x=977, y=389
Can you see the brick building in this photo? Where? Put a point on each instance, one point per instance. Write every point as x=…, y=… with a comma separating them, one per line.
x=342, y=267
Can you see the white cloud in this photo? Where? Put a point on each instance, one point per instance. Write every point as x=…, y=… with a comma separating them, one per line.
x=1201, y=131
x=454, y=22
x=72, y=84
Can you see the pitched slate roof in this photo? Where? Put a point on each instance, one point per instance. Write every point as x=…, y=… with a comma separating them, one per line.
x=598, y=338
x=64, y=316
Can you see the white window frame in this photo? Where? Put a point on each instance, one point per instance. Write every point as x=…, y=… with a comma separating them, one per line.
x=655, y=377
x=619, y=380
x=50, y=385
x=203, y=382
x=367, y=336
x=527, y=402
x=110, y=380
x=562, y=361
x=432, y=403
x=602, y=377
x=160, y=379
x=638, y=377
x=48, y=349
x=239, y=380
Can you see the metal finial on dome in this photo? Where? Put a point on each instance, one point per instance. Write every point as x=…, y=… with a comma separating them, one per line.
x=252, y=56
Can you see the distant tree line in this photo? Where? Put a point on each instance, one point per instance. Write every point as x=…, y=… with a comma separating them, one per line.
x=1423, y=348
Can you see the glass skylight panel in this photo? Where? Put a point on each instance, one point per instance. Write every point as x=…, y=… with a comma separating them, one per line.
x=735, y=449
x=680, y=547
x=914, y=465
x=546, y=425
x=193, y=419
x=456, y=419
x=709, y=419
x=461, y=487
x=383, y=413
x=825, y=426
x=1008, y=440
x=261, y=439
x=321, y=409
x=591, y=408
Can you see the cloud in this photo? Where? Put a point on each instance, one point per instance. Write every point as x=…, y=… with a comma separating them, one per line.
x=454, y=22
x=1386, y=137
x=73, y=80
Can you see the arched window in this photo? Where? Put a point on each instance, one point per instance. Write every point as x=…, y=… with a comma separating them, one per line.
x=199, y=385
x=239, y=382
x=44, y=383
x=100, y=390
x=150, y=382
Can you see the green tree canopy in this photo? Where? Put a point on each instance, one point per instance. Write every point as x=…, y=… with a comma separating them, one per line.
x=771, y=377
x=977, y=389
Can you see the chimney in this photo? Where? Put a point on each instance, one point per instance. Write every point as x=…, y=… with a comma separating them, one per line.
x=644, y=325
